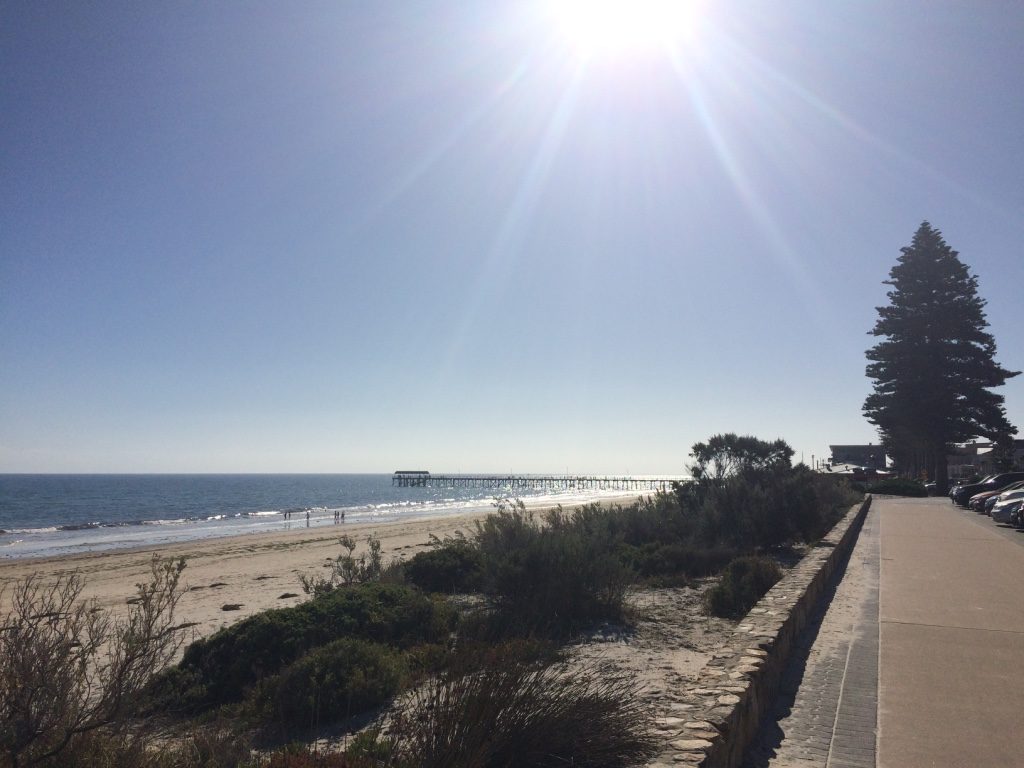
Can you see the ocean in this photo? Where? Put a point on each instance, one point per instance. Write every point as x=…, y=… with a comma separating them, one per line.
x=46, y=515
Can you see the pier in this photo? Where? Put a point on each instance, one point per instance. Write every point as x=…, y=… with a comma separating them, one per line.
x=422, y=479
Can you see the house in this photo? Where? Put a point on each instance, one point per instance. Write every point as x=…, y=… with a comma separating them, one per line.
x=871, y=456
x=982, y=458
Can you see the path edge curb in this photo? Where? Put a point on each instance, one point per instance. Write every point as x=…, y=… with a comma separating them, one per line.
x=722, y=709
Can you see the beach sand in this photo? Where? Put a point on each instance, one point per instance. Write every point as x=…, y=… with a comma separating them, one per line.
x=253, y=572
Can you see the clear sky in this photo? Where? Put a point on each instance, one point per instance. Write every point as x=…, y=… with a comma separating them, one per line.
x=480, y=236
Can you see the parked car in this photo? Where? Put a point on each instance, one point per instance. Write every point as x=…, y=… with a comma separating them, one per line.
x=964, y=494
x=991, y=497
x=1009, y=503
x=1017, y=517
x=980, y=502
x=975, y=480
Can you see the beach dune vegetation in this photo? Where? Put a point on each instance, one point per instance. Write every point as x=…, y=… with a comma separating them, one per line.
x=554, y=574
x=347, y=569
x=898, y=486
x=521, y=713
x=745, y=581
x=452, y=564
x=474, y=682
x=336, y=681
x=70, y=675
x=221, y=668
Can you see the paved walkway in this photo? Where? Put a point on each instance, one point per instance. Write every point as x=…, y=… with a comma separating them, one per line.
x=918, y=658
x=826, y=711
x=952, y=638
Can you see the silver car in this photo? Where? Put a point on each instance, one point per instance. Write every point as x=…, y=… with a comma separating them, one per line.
x=1006, y=505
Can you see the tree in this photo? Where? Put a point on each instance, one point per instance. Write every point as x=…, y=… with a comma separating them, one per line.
x=935, y=367
x=1003, y=453
x=730, y=454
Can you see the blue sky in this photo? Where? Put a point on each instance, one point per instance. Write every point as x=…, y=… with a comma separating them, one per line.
x=350, y=236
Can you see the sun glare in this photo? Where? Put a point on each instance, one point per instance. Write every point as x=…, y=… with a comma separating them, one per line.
x=616, y=27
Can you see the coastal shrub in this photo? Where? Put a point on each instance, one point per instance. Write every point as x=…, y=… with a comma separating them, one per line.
x=673, y=563
x=373, y=748
x=663, y=518
x=102, y=748
x=761, y=509
x=210, y=747
x=218, y=669
x=831, y=501
x=335, y=681
x=740, y=512
x=120, y=747
x=745, y=581
x=70, y=675
x=347, y=569
x=522, y=714
x=301, y=756
x=898, y=486
x=551, y=578
x=453, y=564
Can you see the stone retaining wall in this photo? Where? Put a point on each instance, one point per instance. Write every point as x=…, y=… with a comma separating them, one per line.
x=721, y=713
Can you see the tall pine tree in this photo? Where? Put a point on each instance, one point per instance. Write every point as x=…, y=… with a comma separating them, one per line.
x=935, y=367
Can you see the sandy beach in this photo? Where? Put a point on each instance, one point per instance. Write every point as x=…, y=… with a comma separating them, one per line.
x=253, y=572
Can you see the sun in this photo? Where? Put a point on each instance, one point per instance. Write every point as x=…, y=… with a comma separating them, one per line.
x=617, y=27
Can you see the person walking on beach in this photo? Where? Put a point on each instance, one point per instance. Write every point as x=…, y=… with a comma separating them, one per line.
x=343, y=517
x=307, y=518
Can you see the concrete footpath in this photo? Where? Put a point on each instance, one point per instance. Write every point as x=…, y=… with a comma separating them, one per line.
x=951, y=671
x=916, y=657
x=826, y=710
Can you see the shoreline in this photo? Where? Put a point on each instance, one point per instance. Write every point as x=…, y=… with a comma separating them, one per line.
x=52, y=519
x=252, y=571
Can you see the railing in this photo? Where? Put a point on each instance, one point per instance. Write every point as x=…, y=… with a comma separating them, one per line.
x=533, y=482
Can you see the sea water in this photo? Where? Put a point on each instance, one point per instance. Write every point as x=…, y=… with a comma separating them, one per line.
x=44, y=515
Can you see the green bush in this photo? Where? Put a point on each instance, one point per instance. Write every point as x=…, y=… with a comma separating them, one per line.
x=453, y=565
x=347, y=569
x=335, y=681
x=119, y=747
x=301, y=756
x=759, y=509
x=745, y=581
x=371, y=746
x=551, y=578
x=519, y=714
x=898, y=486
x=677, y=562
x=103, y=748
x=218, y=669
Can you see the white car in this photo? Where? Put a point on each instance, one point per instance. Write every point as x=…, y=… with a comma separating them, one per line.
x=1006, y=505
